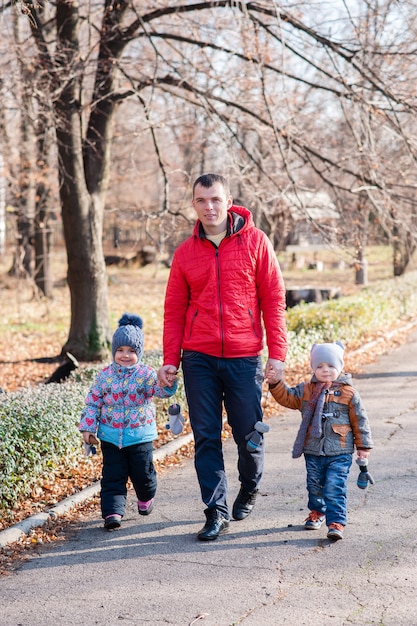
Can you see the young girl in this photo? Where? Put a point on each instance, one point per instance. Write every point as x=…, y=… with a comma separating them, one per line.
x=334, y=422
x=119, y=407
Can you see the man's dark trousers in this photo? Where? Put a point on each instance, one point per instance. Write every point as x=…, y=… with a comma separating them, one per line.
x=210, y=382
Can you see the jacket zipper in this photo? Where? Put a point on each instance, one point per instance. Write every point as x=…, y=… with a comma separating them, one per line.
x=220, y=301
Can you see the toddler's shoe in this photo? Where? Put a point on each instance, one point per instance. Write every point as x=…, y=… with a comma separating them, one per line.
x=111, y=522
x=335, y=531
x=145, y=508
x=314, y=521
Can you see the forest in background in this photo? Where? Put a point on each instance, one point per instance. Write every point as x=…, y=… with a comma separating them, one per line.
x=110, y=110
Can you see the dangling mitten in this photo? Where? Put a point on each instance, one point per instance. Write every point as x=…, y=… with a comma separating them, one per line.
x=255, y=437
x=364, y=476
x=176, y=420
x=90, y=448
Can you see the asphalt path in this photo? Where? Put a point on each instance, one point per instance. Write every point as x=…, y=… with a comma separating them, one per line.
x=267, y=570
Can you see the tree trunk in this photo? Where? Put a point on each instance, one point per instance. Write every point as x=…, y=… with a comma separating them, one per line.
x=89, y=334
x=361, y=268
x=82, y=204
x=402, y=252
x=2, y=208
x=43, y=277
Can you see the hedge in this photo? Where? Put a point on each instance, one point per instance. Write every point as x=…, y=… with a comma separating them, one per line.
x=37, y=434
x=38, y=430
x=351, y=319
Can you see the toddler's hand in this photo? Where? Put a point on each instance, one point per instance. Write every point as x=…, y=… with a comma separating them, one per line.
x=167, y=375
x=89, y=438
x=272, y=376
x=273, y=371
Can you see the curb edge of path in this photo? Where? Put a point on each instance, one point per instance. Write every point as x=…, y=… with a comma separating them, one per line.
x=19, y=530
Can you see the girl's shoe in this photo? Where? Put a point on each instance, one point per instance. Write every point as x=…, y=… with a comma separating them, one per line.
x=111, y=522
x=145, y=508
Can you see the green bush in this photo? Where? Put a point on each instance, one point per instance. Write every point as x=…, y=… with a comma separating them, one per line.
x=37, y=434
x=350, y=319
x=38, y=429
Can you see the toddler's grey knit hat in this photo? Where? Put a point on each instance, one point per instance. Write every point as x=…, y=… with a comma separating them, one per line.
x=331, y=353
x=129, y=334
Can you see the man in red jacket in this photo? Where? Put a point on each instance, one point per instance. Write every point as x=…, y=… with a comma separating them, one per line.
x=224, y=281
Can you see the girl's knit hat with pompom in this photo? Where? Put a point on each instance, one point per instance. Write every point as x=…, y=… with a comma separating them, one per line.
x=129, y=334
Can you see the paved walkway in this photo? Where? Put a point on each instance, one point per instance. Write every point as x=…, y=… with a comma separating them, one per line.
x=268, y=570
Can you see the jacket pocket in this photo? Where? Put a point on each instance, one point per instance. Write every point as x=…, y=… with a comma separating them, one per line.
x=342, y=430
x=253, y=325
x=193, y=318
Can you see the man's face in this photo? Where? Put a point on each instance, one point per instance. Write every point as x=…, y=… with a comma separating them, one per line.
x=211, y=205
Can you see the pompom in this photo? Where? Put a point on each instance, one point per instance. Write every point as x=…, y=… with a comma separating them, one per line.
x=129, y=333
x=130, y=319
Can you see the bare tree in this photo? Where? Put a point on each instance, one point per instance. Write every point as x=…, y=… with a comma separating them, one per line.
x=289, y=85
x=270, y=85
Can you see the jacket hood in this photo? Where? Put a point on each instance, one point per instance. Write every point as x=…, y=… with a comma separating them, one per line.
x=239, y=218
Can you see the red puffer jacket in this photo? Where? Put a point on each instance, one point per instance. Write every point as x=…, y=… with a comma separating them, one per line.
x=215, y=296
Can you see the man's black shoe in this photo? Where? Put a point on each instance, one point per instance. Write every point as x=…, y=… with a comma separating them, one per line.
x=244, y=503
x=215, y=525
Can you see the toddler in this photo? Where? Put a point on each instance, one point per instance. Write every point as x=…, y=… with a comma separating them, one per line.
x=120, y=408
x=334, y=422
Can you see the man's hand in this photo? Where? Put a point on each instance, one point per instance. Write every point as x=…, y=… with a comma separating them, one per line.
x=166, y=375
x=274, y=370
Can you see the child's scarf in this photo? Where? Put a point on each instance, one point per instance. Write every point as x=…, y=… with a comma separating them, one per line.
x=312, y=414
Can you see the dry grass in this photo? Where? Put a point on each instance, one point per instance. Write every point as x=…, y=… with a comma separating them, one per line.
x=33, y=327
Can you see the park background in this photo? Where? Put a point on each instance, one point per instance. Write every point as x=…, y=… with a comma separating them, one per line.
x=109, y=111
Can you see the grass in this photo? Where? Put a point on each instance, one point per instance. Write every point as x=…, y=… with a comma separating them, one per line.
x=338, y=269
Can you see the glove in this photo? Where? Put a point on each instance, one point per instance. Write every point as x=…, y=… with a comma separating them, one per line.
x=364, y=476
x=89, y=448
x=176, y=420
x=255, y=437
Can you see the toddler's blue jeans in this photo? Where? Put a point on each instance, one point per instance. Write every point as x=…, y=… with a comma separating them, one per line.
x=327, y=485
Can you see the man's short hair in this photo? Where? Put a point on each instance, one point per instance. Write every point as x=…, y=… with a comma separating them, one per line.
x=208, y=180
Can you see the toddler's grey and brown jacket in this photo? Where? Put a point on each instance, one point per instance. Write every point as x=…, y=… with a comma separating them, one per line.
x=345, y=423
